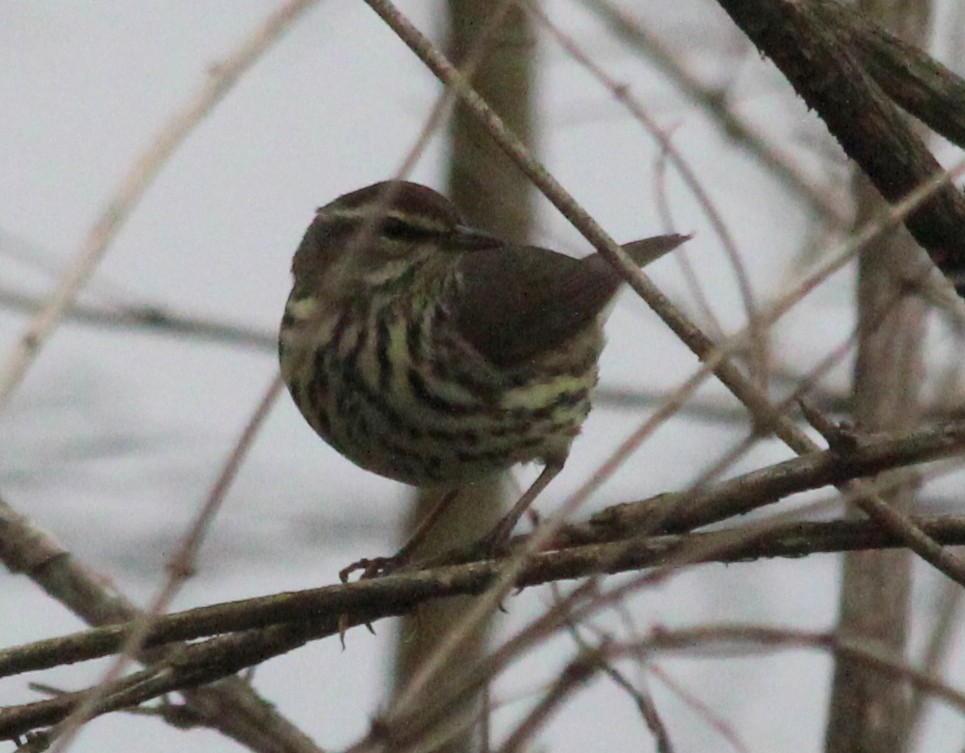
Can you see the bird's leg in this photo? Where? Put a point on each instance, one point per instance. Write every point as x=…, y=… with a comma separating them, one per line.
x=499, y=535
x=376, y=566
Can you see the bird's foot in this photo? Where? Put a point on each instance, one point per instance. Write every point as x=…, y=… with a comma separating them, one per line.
x=379, y=566
x=375, y=567
x=494, y=543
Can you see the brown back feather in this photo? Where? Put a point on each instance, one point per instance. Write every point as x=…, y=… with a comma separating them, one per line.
x=518, y=302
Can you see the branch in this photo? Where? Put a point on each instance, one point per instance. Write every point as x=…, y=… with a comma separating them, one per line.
x=714, y=359
x=681, y=511
x=826, y=72
x=148, y=318
x=320, y=611
x=918, y=83
x=714, y=102
x=136, y=182
x=230, y=706
x=613, y=527
x=290, y=620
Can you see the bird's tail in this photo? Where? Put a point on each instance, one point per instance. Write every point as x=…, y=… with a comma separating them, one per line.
x=650, y=249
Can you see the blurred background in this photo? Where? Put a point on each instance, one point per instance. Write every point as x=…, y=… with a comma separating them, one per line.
x=120, y=428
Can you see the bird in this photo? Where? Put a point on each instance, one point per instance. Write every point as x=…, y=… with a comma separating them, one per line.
x=436, y=354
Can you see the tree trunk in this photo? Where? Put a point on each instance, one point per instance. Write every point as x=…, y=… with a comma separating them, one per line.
x=495, y=196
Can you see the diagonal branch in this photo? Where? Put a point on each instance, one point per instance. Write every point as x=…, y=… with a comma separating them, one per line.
x=713, y=358
x=832, y=80
x=916, y=82
x=288, y=621
x=134, y=185
x=230, y=706
x=583, y=548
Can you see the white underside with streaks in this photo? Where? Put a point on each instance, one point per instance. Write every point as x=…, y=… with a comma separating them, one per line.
x=419, y=426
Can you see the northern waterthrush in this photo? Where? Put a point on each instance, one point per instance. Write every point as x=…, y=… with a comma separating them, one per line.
x=435, y=354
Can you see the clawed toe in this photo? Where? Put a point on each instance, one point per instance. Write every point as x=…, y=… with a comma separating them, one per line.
x=375, y=567
x=494, y=543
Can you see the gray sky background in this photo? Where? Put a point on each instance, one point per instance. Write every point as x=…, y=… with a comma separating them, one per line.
x=115, y=437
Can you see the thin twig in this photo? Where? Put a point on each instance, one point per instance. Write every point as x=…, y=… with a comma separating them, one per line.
x=730, y=123
x=942, y=635
x=134, y=185
x=397, y=594
x=827, y=73
x=180, y=568
x=231, y=706
x=687, y=174
x=729, y=374
x=148, y=319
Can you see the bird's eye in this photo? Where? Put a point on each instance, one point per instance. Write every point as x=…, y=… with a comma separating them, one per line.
x=400, y=230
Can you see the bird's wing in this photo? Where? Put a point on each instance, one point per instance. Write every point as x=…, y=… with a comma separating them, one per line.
x=517, y=302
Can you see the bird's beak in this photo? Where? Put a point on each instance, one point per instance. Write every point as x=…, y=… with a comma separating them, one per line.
x=470, y=239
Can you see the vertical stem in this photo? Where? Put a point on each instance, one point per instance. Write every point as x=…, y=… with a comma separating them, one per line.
x=869, y=711
x=494, y=195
